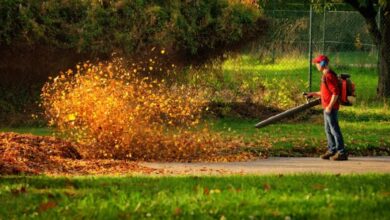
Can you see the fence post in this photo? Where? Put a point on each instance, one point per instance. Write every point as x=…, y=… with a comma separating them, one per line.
x=324, y=29
x=378, y=48
x=273, y=42
x=310, y=46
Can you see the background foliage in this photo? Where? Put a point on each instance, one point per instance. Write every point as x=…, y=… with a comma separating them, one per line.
x=99, y=27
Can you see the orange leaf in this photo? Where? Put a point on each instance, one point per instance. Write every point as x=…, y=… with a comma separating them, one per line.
x=46, y=206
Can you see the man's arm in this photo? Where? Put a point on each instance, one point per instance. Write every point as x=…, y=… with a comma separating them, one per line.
x=333, y=100
x=315, y=94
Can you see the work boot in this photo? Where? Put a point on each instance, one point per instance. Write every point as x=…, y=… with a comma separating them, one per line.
x=327, y=155
x=340, y=156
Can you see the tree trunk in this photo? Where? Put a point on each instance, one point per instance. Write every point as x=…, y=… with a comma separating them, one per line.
x=384, y=58
x=381, y=37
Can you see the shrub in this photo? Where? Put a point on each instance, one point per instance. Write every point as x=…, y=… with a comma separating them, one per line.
x=236, y=84
x=282, y=93
x=128, y=25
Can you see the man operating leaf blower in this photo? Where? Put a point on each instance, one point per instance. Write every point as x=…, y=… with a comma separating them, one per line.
x=329, y=94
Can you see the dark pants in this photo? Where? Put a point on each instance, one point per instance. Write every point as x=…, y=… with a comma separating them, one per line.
x=333, y=132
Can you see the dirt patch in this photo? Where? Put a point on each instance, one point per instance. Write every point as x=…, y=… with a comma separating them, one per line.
x=31, y=154
x=241, y=109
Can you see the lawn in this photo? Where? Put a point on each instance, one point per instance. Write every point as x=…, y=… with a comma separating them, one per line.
x=306, y=196
x=365, y=129
x=294, y=68
x=362, y=129
x=41, y=131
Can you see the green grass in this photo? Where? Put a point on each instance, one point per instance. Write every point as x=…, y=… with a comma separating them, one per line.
x=234, y=197
x=29, y=130
x=354, y=57
x=295, y=69
x=363, y=128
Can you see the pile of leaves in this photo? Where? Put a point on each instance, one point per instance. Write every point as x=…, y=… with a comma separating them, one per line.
x=30, y=154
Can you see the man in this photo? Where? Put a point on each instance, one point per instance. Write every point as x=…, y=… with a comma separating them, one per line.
x=329, y=94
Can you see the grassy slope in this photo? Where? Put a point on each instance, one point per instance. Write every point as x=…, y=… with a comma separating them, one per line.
x=268, y=197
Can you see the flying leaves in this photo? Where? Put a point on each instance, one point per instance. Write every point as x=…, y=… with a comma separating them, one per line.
x=117, y=112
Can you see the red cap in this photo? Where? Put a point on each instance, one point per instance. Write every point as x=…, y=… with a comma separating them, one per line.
x=320, y=58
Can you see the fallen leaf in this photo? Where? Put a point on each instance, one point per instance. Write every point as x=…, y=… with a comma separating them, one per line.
x=267, y=187
x=385, y=194
x=206, y=191
x=17, y=192
x=318, y=186
x=46, y=206
x=177, y=211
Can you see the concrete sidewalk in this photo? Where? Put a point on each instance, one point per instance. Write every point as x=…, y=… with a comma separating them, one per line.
x=279, y=165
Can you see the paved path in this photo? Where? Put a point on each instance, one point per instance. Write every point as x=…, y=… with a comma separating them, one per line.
x=279, y=165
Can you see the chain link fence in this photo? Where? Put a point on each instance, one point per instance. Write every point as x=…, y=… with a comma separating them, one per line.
x=299, y=32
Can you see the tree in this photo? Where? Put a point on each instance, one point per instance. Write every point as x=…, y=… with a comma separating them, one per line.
x=380, y=33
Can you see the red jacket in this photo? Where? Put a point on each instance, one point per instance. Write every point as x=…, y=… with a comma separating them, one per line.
x=329, y=87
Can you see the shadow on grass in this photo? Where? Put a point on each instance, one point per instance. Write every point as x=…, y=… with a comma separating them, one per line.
x=350, y=116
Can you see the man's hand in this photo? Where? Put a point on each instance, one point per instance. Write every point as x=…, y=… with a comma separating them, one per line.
x=313, y=94
x=328, y=109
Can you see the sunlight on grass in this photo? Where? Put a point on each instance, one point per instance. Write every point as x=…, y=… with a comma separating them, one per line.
x=236, y=197
x=362, y=127
x=296, y=69
x=250, y=63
